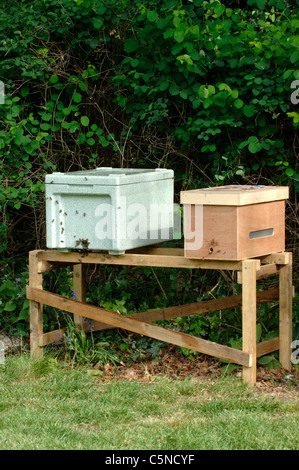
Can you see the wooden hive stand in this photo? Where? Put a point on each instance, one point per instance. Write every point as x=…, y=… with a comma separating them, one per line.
x=248, y=271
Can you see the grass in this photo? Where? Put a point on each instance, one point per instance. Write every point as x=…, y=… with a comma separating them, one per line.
x=45, y=406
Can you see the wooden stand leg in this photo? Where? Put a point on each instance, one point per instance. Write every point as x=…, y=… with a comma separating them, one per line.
x=79, y=286
x=35, y=308
x=285, y=314
x=249, y=268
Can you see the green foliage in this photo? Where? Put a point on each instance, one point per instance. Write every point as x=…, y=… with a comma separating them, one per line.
x=84, y=350
x=270, y=362
x=14, y=307
x=203, y=74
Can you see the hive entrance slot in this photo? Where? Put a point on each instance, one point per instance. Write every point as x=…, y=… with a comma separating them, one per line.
x=261, y=233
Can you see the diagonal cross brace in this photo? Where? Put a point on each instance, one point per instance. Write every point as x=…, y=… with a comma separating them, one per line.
x=138, y=326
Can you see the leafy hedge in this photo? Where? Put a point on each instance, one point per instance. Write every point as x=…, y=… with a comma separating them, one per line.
x=199, y=86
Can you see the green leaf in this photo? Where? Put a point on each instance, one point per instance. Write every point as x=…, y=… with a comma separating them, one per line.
x=262, y=65
x=289, y=172
x=258, y=332
x=94, y=372
x=54, y=79
x=294, y=57
x=184, y=94
x=168, y=33
x=238, y=103
x=10, y=306
x=46, y=116
x=270, y=362
x=84, y=121
x=265, y=360
x=131, y=45
x=24, y=91
x=74, y=126
x=77, y=97
x=243, y=144
x=81, y=138
x=65, y=125
x=122, y=101
x=219, y=9
x=295, y=116
x=134, y=62
x=174, y=89
x=7, y=287
x=45, y=127
x=97, y=23
x=249, y=110
x=66, y=111
x=287, y=74
x=252, y=139
x=164, y=85
x=24, y=315
x=219, y=99
x=179, y=35
x=103, y=141
x=152, y=16
x=261, y=3
x=254, y=147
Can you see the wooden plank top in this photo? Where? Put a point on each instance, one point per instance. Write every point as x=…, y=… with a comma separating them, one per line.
x=234, y=195
x=158, y=257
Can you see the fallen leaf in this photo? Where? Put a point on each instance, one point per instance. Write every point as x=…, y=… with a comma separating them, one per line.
x=94, y=372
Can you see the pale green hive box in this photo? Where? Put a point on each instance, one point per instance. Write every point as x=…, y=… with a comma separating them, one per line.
x=109, y=209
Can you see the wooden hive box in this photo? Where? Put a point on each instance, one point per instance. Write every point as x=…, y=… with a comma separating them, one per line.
x=234, y=222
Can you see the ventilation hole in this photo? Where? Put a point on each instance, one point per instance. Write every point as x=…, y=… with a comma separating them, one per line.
x=261, y=233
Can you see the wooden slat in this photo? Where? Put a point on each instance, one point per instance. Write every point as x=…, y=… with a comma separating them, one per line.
x=249, y=318
x=276, y=258
x=79, y=286
x=35, y=308
x=148, y=250
x=285, y=314
x=197, y=308
x=138, y=259
x=55, y=336
x=266, y=347
x=140, y=327
x=265, y=271
x=226, y=195
x=45, y=266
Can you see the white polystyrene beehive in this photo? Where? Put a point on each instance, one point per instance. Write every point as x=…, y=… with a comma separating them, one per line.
x=109, y=209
